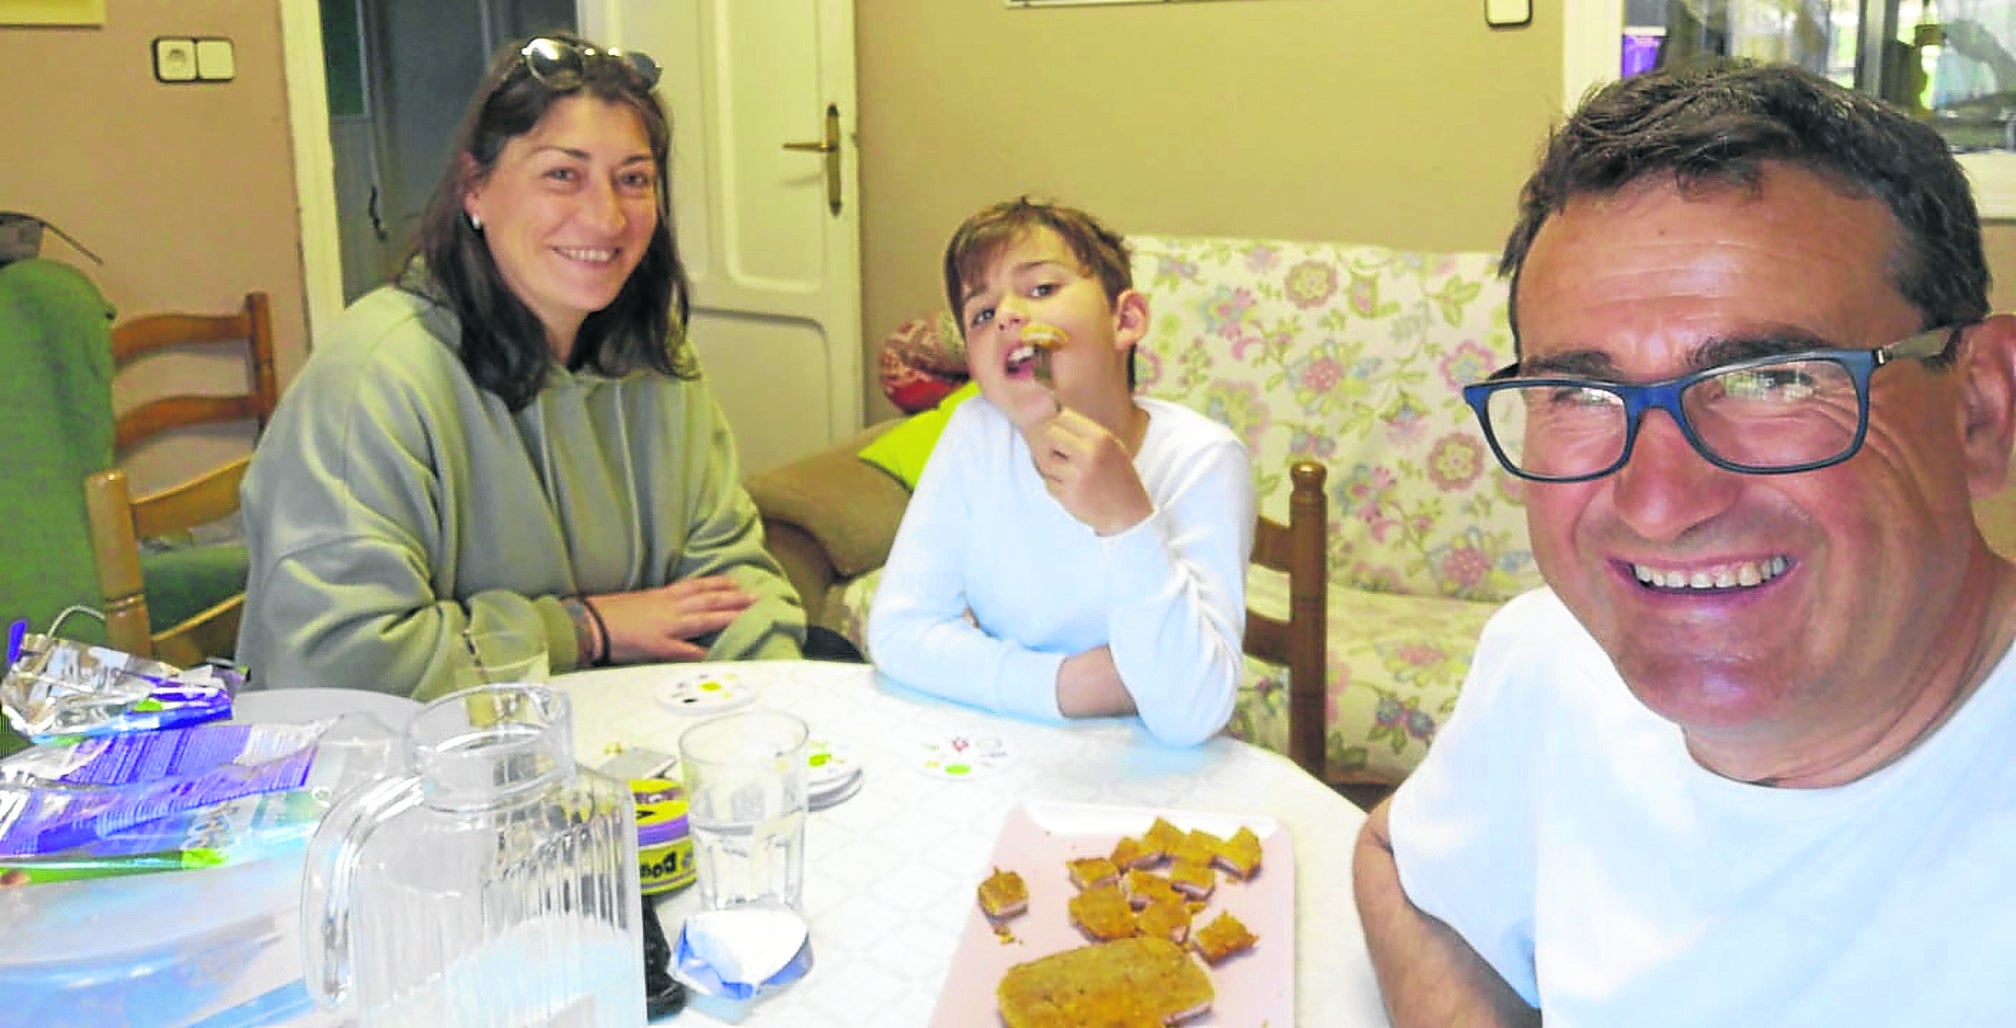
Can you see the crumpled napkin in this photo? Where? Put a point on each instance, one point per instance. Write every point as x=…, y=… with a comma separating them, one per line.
x=740, y=952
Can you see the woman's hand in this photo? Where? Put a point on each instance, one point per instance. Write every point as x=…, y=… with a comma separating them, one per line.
x=1091, y=473
x=658, y=624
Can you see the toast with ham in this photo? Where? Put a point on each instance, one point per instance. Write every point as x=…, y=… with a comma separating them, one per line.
x=1147, y=980
x=1222, y=938
x=1003, y=895
x=1239, y=855
x=1102, y=913
x=1092, y=872
x=1046, y=339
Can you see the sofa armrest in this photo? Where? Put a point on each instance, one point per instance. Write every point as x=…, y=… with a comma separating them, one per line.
x=829, y=516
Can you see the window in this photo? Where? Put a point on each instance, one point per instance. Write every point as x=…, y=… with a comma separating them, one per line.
x=1952, y=62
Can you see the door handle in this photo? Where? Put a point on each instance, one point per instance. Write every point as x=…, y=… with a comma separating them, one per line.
x=371, y=207
x=828, y=145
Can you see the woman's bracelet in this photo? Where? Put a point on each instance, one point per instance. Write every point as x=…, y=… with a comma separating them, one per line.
x=603, y=658
x=591, y=637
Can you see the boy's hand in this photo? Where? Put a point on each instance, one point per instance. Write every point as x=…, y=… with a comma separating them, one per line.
x=656, y=624
x=1088, y=685
x=1091, y=473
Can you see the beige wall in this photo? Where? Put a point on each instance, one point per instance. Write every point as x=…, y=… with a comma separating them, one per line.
x=1405, y=124
x=1402, y=124
x=1998, y=238
x=186, y=191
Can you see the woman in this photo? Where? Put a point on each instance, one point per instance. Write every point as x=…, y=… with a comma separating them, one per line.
x=514, y=434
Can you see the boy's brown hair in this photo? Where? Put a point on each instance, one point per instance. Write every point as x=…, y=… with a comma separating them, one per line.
x=1101, y=252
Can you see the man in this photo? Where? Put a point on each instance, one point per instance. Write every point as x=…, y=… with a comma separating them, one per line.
x=1749, y=760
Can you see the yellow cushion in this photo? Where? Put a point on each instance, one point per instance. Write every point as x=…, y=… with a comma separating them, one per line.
x=902, y=450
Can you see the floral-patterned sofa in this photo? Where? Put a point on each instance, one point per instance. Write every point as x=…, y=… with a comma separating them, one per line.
x=1353, y=355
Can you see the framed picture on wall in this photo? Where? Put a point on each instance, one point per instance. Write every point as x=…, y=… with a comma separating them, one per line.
x=52, y=12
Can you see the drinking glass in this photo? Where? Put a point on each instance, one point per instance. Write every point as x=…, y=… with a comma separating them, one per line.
x=745, y=805
x=496, y=656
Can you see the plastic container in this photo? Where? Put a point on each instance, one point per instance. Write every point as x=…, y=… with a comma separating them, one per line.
x=158, y=949
x=218, y=947
x=664, y=847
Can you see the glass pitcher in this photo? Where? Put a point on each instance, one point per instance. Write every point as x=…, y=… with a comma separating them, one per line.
x=494, y=885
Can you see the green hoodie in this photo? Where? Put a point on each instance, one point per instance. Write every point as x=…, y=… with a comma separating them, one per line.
x=392, y=504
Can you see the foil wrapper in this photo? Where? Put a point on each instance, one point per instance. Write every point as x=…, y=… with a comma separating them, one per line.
x=61, y=689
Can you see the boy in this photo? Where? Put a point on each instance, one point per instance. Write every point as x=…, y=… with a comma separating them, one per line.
x=1071, y=550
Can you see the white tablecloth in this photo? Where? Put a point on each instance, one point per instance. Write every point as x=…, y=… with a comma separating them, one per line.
x=890, y=872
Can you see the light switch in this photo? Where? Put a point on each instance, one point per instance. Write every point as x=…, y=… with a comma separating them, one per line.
x=175, y=60
x=1503, y=13
x=215, y=60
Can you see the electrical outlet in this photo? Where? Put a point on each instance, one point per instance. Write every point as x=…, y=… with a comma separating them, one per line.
x=216, y=61
x=1507, y=13
x=175, y=60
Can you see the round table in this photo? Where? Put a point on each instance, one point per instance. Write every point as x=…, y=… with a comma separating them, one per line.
x=890, y=872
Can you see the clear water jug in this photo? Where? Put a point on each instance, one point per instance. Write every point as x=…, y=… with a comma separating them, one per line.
x=494, y=885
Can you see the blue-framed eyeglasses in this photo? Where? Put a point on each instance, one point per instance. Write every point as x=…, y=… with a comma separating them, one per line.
x=558, y=64
x=1770, y=415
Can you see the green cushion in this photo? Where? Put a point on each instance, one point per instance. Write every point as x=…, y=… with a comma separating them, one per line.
x=187, y=580
x=902, y=450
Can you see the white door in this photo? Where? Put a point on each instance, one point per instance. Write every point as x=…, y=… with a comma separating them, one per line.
x=765, y=204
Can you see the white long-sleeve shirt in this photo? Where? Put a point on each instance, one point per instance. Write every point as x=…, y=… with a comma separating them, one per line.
x=983, y=535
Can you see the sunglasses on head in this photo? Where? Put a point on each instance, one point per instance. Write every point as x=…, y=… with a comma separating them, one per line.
x=558, y=64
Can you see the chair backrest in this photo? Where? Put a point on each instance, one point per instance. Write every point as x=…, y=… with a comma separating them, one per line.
x=253, y=324
x=1298, y=549
x=119, y=522
x=56, y=415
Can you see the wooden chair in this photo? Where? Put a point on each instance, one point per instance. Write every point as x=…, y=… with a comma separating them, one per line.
x=253, y=325
x=1299, y=641
x=118, y=521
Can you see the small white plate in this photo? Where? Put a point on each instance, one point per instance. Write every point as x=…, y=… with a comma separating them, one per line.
x=960, y=756
x=707, y=690
x=833, y=794
x=827, y=763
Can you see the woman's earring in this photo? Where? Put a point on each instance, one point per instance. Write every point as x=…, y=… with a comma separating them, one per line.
x=475, y=222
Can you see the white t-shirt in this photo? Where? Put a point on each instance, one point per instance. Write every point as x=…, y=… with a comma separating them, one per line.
x=983, y=534
x=1561, y=827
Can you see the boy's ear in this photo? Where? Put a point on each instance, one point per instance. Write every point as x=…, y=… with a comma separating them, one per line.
x=1130, y=318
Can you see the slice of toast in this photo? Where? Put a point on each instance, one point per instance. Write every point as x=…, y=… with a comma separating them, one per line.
x=1046, y=339
x=1145, y=887
x=1222, y=938
x=1197, y=847
x=1161, y=838
x=1003, y=895
x=1090, y=872
x=1102, y=913
x=1196, y=881
x=1168, y=918
x=1147, y=980
x=1131, y=852
x=1239, y=855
